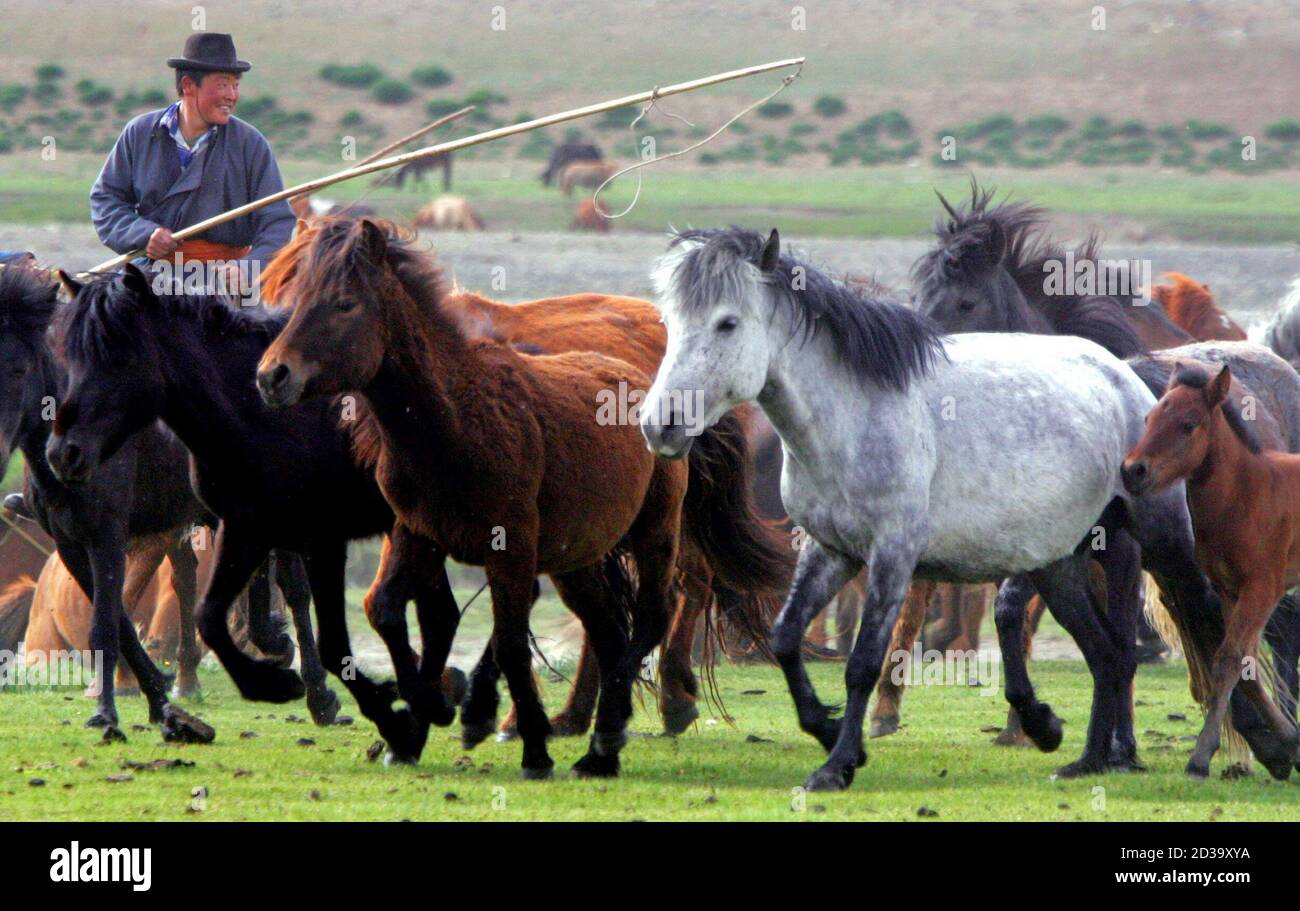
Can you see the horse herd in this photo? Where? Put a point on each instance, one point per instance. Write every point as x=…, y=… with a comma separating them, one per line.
x=997, y=430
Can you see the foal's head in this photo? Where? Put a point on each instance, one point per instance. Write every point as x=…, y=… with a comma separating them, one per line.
x=1180, y=429
x=27, y=301
x=355, y=287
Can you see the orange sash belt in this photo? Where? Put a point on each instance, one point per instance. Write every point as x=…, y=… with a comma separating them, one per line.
x=207, y=251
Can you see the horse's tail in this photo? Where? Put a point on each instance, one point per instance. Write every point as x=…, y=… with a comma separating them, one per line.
x=15, y=609
x=751, y=558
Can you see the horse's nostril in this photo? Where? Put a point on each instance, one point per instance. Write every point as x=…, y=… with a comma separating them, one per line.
x=279, y=375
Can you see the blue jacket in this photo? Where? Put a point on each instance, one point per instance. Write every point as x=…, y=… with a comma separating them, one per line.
x=142, y=187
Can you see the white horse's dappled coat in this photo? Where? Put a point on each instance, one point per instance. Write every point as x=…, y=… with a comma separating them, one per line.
x=1000, y=458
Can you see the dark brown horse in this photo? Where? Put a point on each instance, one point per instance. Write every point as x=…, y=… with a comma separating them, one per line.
x=1189, y=304
x=497, y=458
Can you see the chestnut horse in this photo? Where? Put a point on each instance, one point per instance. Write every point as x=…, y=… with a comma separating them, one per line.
x=730, y=556
x=489, y=455
x=1190, y=304
x=1245, y=504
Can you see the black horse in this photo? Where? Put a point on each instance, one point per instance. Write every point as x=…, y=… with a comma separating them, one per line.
x=415, y=172
x=280, y=479
x=988, y=274
x=567, y=152
x=92, y=526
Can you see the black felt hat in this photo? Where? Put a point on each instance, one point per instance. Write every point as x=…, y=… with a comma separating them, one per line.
x=209, y=52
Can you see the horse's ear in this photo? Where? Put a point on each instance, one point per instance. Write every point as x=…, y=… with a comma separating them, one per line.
x=136, y=281
x=1217, y=390
x=70, y=284
x=373, y=240
x=997, y=242
x=301, y=226
x=1173, y=376
x=771, y=252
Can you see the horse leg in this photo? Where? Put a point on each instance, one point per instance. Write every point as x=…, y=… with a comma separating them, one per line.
x=818, y=575
x=1245, y=622
x=574, y=719
x=1283, y=635
x=889, y=572
x=291, y=577
x=1120, y=565
x=848, y=610
x=898, y=658
x=678, y=687
x=402, y=731
x=478, y=713
x=103, y=632
x=404, y=555
x=511, y=578
x=265, y=630
x=1027, y=717
x=184, y=582
x=238, y=555
x=1066, y=588
x=438, y=615
x=587, y=595
x=654, y=545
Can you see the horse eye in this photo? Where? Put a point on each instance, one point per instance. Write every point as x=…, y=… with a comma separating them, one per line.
x=966, y=306
x=1189, y=427
x=727, y=324
x=345, y=306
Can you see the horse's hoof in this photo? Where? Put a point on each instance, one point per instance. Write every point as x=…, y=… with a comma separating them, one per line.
x=544, y=773
x=454, y=685
x=594, y=765
x=504, y=736
x=102, y=720
x=405, y=736
x=1042, y=727
x=273, y=684
x=566, y=726
x=184, y=689
x=679, y=716
x=1080, y=768
x=1197, y=770
x=829, y=779
x=472, y=733
x=179, y=726
x=113, y=735
x=1012, y=737
x=883, y=726
x=392, y=758
x=324, y=706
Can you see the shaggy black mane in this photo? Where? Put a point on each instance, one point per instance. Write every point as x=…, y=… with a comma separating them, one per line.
x=880, y=340
x=1197, y=377
x=28, y=300
x=103, y=324
x=965, y=255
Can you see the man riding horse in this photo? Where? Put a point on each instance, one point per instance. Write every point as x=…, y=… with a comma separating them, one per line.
x=178, y=166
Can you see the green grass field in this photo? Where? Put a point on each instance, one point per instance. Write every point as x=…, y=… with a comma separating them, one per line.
x=941, y=760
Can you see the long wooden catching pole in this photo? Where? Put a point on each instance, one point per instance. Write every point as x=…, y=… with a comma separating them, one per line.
x=500, y=133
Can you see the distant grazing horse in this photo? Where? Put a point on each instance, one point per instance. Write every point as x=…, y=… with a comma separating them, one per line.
x=587, y=218
x=987, y=273
x=415, y=171
x=1190, y=304
x=1283, y=333
x=93, y=525
x=475, y=443
x=735, y=567
x=1245, y=502
x=448, y=213
x=1011, y=488
x=586, y=174
x=567, y=152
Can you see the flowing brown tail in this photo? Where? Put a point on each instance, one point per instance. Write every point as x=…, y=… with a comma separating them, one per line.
x=15, y=608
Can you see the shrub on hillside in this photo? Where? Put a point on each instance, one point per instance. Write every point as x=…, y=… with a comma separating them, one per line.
x=430, y=76
x=391, y=91
x=359, y=76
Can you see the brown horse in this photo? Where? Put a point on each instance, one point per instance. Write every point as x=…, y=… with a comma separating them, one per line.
x=448, y=213
x=747, y=588
x=24, y=547
x=588, y=218
x=495, y=458
x=586, y=174
x=1245, y=504
x=1190, y=304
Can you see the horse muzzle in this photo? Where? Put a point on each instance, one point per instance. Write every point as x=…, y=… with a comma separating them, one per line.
x=71, y=462
x=1137, y=476
x=279, y=386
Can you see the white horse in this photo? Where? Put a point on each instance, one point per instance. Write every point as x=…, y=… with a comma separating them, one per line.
x=971, y=459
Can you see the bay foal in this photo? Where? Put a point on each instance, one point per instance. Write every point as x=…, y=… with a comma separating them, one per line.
x=1245, y=505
